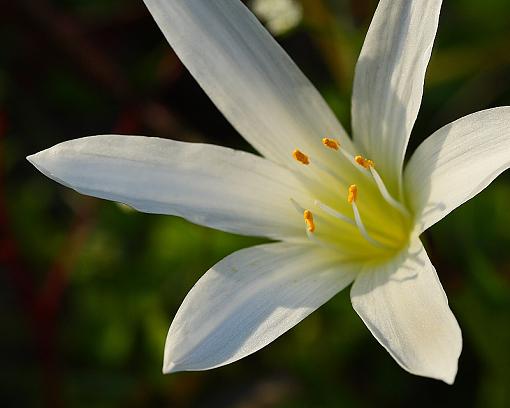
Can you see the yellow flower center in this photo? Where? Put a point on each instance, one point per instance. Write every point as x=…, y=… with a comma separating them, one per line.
x=371, y=224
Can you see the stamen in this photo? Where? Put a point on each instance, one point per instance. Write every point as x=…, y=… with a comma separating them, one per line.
x=386, y=194
x=331, y=143
x=351, y=199
x=308, y=217
x=300, y=157
x=370, y=166
x=313, y=238
x=353, y=160
x=356, y=161
x=352, y=194
x=349, y=158
x=328, y=210
x=296, y=205
x=363, y=162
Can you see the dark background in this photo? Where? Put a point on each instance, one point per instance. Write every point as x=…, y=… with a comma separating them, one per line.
x=89, y=288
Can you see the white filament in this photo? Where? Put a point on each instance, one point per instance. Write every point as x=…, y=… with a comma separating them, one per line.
x=327, y=209
x=362, y=229
x=386, y=194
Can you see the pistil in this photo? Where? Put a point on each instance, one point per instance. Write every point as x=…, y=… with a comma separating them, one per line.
x=370, y=166
x=386, y=194
x=352, y=196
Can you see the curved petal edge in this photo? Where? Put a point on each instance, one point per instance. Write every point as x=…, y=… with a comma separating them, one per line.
x=249, y=299
x=209, y=185
x=456, y=163
x=404, y=306
x=388, y=83
x=249, y=77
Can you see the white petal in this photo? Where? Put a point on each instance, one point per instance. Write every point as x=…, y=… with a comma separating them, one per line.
x=249, y=299
x=388, y=84
x=248, y=76
x=456, y=163
x=404, y=306
x=209, y=185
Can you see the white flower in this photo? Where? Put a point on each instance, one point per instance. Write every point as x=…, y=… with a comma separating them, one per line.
x=339, y=217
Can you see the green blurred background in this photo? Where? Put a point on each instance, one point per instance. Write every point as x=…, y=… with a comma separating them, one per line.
x=89, y=288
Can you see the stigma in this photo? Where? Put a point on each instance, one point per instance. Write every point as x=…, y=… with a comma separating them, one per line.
x=352, y=194
x=308, y=217
x=300, y=157
x=363, y=162
x=331, y=143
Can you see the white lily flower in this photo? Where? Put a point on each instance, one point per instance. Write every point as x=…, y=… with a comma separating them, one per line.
x=345, y=211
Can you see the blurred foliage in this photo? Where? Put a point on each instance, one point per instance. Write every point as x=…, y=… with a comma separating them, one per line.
x=88, y=288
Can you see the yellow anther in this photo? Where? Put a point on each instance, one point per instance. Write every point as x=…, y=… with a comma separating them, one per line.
x=352, y=194
x=308, y=216
x=366, y=163
x=331, y=143
x=300, y=157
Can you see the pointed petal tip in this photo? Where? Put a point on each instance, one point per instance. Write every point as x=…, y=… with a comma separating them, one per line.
x=41, y=162
x=39, y=159
x=36, y=160
x=33, y=159
x=444, y=374
x=449, y=378
x=170, y=368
